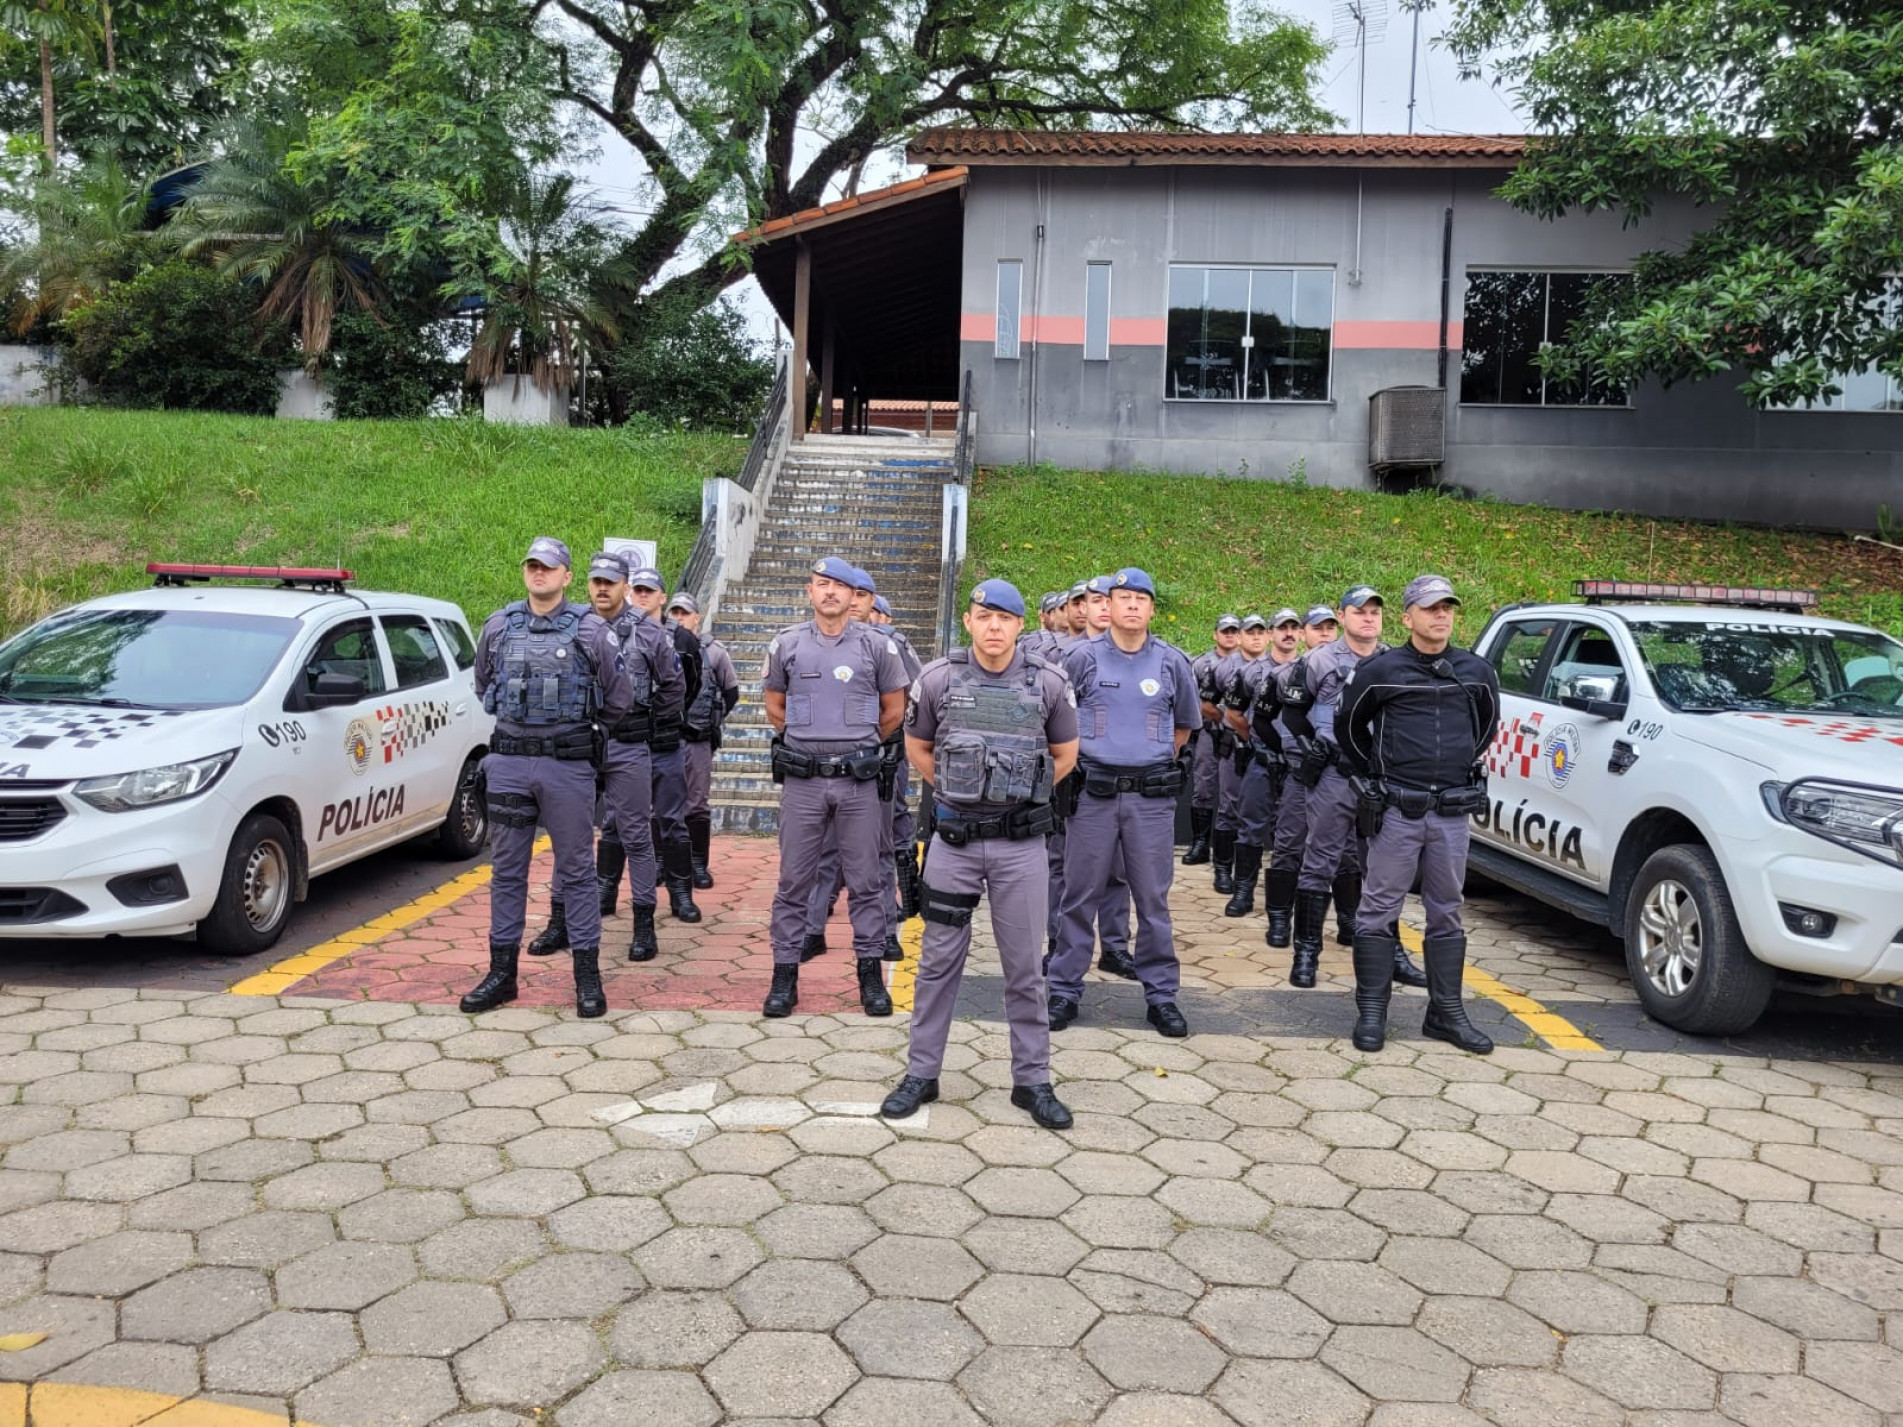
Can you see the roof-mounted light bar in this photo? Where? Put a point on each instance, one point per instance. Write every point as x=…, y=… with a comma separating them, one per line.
x=287, y=576
x=1736, y=596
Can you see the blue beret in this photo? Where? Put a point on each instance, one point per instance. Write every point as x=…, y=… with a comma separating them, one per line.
x=1098, y=584
x=831, y=567
x=1135, y=579
x=999, y=594
x=862, y=581
x=879, y=603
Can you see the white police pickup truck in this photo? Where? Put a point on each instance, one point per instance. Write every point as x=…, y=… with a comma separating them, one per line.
x=189, y=756
x=1720, y=783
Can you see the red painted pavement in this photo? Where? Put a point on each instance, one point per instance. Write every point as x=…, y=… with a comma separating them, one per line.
x=723, y=963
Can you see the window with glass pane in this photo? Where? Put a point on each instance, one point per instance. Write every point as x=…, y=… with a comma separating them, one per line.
x=413, y=650
x=1097, y=312
x=1869, y=388
x=1511, y=315
x=1010, y=306
x=1517, y=655
x=1249, y=334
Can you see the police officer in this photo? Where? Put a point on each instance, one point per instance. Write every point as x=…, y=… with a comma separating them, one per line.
x=1234, y=678
x=1318, y=627
x=993, y=729
x=648, y=589
x=835, y=692
x=546, y=669
x=1249, y=646
x=1203, y=753
x=1076, y=610
x=700, y=727
x=1414, y=723
x=1137, y=704
x=1264, y=769
x=904, y=825
x=1331, y=863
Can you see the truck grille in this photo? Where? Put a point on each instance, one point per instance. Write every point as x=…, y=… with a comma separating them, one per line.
x=21, y=818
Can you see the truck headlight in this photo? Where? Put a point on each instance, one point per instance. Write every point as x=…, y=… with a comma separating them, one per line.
x=150, y=787
x=1862, y=817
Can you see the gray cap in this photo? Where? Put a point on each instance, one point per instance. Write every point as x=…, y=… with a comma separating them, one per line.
x=1283, y=616
x=1226, y=623
x=1053, y=600
x=1360, y=595
x=547, y=550
x=1078, y=591
x=1253, y=621
x=647, y=577
x=1319, y=614
x=606, y=565
x=684, y=601
x=1428, y=589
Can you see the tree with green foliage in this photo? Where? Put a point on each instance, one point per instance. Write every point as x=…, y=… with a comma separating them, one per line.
x=688, y=367
x=1783, y=117
x=45, y=30
x=179, y=336
x=88, y=232
x=396, y=368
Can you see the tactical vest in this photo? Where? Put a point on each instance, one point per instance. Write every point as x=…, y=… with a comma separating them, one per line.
x=633, y=659
x=991, y=746
x=700, y=715
x=541, y=680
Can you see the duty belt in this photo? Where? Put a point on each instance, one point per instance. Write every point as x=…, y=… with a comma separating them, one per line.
x=1151, y=780
x=862, y=764
x=1413, y=803
x=1027, y=820
x=633, y=728
x=576, y=746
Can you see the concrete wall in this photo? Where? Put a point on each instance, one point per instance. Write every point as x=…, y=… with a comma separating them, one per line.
x=22, y=380
x=522, y=403
x=302, y=398
x=1694, y=450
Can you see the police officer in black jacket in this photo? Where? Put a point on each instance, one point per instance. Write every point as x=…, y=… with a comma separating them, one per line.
x=1413, y=723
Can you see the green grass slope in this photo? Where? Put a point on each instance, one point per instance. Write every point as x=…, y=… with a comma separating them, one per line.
x=1216, y=545
x=442, y=508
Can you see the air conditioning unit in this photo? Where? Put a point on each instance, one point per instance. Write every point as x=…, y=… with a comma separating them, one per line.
x=1407, y=427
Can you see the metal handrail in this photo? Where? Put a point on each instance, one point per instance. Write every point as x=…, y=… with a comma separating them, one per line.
x=697, y=575
x=702, y=570
x=763, y=433
x=963, y=450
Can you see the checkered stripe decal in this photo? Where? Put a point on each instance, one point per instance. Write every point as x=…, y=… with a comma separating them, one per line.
x=1515, y=748
x=75, y=727
x=410, y=726
x=1840, y=729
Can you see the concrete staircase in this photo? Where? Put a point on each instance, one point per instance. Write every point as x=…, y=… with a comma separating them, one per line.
x=873, y=500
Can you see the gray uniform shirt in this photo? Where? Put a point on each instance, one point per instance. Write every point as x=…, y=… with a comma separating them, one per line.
x=594, y=644
x=644, y=637
x=833, y=683
x=1328, y=667
x=1130, y=705
x=927, y=710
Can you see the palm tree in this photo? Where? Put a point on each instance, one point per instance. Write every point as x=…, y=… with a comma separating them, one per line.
x=541, y=287
x=52, y=24
x=89, y=232
x=263, y=227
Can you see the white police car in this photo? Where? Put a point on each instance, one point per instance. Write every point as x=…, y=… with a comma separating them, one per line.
x=1719, y=783
x=189, y=756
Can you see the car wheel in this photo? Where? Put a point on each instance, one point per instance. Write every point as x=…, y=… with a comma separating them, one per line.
x=466, y=828
x=1685, y=950
x=257, y=891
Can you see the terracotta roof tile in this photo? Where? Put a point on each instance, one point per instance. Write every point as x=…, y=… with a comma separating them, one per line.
x=979, y=146
x=774, y=227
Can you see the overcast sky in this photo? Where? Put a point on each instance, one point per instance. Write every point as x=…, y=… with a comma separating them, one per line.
x=1443, y=105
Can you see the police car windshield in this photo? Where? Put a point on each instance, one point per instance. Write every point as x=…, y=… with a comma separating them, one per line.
x=152, y=659
x=1759, y=665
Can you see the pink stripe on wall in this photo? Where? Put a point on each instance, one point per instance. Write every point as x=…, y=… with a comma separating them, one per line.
x=1138, y=331
x=1405, y=336
x=977, y=327
x=1061, y=330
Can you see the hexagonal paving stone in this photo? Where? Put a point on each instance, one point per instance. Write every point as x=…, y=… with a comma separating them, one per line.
x=1396, y=1364
x=1349, y=1292
x=1152, y=1353
x=1262, y=1322
x=932, y=1210
x=1639, y=1372
x=280, y=1353
x=674, y=1398
x=674, y=1330
x=900, y=1265
x=722, y=1199
x=345, y=1276
x=905, y=1337
x=1034, y=1387
x=1026, y=1246
x=882, y=1402
x=118, y=1263
x=527, y=1364
x=530, y=1193
x=481, y=1248
x=378, y=1392
x=578, y=1285
x=1289, y=1394
x=816, y=1231
x=697, y=1258
x=431, y=1319
x=1025, y=1193
x=780, y=1375
x=400, y=1216
x=1018, y=1310
x=196, y=1306
x=798, y=1294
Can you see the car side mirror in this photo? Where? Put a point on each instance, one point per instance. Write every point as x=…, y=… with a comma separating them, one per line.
x=331, y=691
x=1594, y=694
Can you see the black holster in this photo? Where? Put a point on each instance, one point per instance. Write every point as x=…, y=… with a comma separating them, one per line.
x=636, y=726
x=948, y=909
x=1371, y=805
x=891, y=754
x=1244, y=752
x=1313, y=757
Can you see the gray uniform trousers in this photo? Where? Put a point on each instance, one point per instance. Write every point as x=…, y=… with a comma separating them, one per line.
x=1256, y=827
x=1291, y=824
x=1144, y=831
x=808, y=808
x=831, y=878
x=1436, y=845
x=629, y=802
x=697, y=766
x=1015, y=881
x=560, y=793
x=1228, y=789
x=1202, y=770
x=1113, y=917
x=669, y=783
x=1332, y=844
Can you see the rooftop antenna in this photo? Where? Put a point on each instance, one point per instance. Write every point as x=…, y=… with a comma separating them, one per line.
x=1361, y=23
x=1413, y=55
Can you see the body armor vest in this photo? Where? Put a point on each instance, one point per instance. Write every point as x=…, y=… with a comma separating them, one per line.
x=632, y=657
x=991, y=743
x=541, y=681
x=700, y=715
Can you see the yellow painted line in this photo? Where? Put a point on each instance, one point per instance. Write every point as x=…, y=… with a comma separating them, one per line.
x=279, y=978
x=64, y=1404
x=1554, y=1029
x=912, y=938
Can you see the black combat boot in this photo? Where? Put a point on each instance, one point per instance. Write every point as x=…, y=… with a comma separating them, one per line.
x=680, y=883
x=611, y=859
x=554, y=936
x=874, y=999
x=1446, y=1018
x=498, y=987
x=912, y=1092
x=645, y=946
x=814, y=945
x=590, y=1000
x=1117, y=963
x=1374, y=984
x=1311, y=917
x=785, y=992
x=1223, y=861
x=1278, y=896
x=1347, y=902
x=700, y=841
x=1042, y=1102
x=893, y=950
x=1248, y=865
x=1200, y=821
